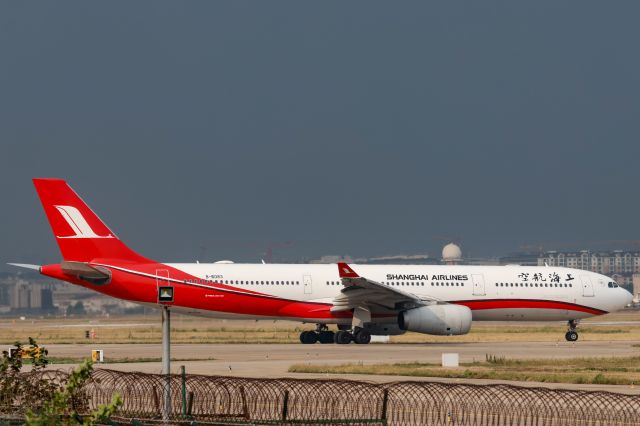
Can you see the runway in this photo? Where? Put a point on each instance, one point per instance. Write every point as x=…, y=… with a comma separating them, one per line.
x=273, y=360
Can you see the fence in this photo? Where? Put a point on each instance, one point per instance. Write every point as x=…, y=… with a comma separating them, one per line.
x=232, y=400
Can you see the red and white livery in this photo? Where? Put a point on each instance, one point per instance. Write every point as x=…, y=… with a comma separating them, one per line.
x=362, y=300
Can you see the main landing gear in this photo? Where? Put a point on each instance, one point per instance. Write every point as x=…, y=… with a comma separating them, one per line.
x=341, y=337
x=322, y=335
x=572, y=334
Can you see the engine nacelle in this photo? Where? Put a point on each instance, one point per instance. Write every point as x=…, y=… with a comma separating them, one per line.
x=442, y=320
x=384, y=329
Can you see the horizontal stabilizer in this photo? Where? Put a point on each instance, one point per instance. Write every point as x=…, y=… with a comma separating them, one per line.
x=84, y=270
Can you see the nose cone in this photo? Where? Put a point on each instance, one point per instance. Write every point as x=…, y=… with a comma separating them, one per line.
x=628, y=297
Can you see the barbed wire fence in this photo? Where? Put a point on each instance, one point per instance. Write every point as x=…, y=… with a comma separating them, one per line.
x=198, y=399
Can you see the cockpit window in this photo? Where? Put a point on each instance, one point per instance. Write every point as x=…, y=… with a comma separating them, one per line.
x=612, y=285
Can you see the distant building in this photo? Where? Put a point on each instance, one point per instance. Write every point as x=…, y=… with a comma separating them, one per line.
x=40, y=298
x=332, y=259
x=20, y=296
x=400, y=259
x=618, y=264
x=5, y=297
x=521, y=258
x=636, y=288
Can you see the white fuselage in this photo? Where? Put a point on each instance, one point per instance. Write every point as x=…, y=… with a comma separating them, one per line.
x=492, y=292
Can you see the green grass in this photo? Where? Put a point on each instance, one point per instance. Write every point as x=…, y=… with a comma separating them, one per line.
x=613, y=370
x=72, y=360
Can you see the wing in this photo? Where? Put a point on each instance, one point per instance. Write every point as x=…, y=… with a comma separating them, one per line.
x=362, y=292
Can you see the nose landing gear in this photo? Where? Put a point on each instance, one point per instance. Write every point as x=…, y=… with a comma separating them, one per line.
x=572, y=335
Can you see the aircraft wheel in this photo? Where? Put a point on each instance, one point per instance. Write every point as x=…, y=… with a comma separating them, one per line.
x=326, y=336
x=571, y=336
x=343, y=337
x=362, y=337
x=308, y=337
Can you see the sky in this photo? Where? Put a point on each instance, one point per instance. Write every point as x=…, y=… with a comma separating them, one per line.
x=210, y=130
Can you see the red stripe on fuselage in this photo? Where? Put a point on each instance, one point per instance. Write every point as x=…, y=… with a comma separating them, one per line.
x=477, y=305
x=139, y=285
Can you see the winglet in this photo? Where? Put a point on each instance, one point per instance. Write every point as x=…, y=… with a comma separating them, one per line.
x=345, y=271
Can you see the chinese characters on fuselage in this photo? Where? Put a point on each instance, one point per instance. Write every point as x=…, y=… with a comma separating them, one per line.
x=552, y=277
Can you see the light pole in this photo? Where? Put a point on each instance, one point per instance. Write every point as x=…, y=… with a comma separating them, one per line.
x=166, y=360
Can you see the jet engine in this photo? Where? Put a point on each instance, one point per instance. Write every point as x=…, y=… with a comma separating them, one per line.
x=442, y=320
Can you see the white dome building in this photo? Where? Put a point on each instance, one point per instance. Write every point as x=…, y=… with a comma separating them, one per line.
x=451, y=254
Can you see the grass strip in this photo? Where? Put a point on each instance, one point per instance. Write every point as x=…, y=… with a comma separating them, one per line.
x=609, y=370
x=73, y=360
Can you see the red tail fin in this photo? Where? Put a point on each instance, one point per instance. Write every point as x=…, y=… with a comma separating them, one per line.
x=79, y=232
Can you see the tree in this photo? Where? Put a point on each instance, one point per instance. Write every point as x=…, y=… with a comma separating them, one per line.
x=45, y=402
x=76, y=309
x=18, y=390
x=59, y=409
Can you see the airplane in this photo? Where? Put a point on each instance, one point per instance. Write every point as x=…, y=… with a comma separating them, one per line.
x=360, y=300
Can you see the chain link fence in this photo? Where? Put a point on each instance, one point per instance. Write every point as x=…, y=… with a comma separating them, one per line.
x=197, y=399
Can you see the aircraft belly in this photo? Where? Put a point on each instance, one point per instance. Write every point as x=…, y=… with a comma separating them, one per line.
x=527, y=314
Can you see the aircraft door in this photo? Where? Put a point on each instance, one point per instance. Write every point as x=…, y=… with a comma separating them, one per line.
x=587, y=286
x=306, y=282
x=478, y=284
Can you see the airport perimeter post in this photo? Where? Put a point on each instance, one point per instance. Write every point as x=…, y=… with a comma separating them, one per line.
x=166, y=361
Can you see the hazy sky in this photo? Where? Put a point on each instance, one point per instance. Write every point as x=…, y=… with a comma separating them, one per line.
x=361, y=128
